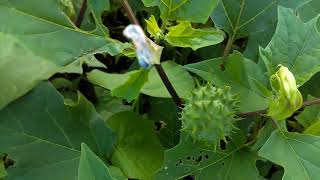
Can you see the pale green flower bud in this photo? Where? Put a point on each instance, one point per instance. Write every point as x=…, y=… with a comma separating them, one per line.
x=287, y=98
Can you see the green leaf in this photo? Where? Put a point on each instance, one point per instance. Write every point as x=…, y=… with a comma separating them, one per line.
x=311, y=87
x=244, y=77
x=183, y=35
x=314, y=129
x=20, y=70
x=67, y=8
x=131, y=88
x=126, y=85
x=310, y=119
x=263, y=136
x=180, y=79
x=3, y=171
x=295, y=153
x=153, y=28
x=92, y=19
x=187, y=158
x=76, y=66
x=42, y=134
x=138, y=152
x=197, y=11
x=295, y=45
x=107, y=105
x=108, y=80
x=47, y=38
x=252, y=19
x=96, y=9
x=310, y=115
x=92, y=167
x=170, y=124
x=309, y=11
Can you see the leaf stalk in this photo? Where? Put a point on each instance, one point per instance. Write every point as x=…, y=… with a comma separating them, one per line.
x=80, y=16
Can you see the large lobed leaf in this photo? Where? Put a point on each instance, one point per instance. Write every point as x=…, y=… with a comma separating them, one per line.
x=309, y=11
x=253, y=19
x=37, y=42
x=43, y=135
x=185, y=10
x=188, y=158
x=295, y=45
x=296, y=153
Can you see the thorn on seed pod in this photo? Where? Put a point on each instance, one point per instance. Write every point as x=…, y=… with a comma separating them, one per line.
x=210, y=117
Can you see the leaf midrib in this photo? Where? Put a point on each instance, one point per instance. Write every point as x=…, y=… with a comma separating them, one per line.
x=237, y=26
x=50, y=22
x=176, y=7
x=295, y=153
x=38, y=139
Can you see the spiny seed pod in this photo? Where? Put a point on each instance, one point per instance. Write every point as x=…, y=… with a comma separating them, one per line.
x=209, y=113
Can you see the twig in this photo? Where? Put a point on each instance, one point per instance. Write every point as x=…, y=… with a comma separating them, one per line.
x=168, y=85
x=80, y=16
x=159, y=68
x=263, y=112
x=228, y=47
x=130, y=13
x=311, y=102
x=252, y=114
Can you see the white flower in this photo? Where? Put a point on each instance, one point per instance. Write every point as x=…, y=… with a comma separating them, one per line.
x=148, y=53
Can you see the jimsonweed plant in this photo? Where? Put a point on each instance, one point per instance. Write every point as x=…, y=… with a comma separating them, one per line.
x=159, y=89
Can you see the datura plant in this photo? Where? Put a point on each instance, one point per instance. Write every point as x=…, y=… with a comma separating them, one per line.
x=287, y=98
x=209, y=113
x=159, y=89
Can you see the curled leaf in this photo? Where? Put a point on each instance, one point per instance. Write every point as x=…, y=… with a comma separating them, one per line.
x=153, y=28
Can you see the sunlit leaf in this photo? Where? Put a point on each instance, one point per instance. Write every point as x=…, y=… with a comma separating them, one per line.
x=183, y=35
x=153, y=28
x=186, y=10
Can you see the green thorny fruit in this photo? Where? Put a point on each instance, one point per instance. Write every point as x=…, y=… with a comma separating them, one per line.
x=209, y=114
x=287, y=98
